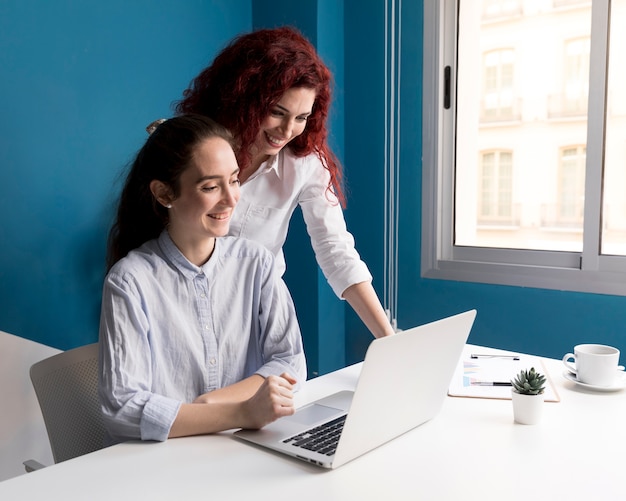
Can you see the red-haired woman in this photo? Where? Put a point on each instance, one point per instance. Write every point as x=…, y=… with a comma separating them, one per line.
x=272, y=90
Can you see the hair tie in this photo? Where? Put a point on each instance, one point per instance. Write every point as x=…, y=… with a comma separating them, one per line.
x=152, y=126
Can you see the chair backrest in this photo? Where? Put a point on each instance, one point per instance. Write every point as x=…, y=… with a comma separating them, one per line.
x=66, y=386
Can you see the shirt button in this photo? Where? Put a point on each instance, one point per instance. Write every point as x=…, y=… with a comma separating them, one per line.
x=212, y=361
x=206, y=327
x=202, y=295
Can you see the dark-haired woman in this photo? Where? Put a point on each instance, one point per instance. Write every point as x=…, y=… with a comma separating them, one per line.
x=198, y=332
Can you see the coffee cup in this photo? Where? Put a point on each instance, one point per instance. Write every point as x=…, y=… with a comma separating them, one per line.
x=595, y=364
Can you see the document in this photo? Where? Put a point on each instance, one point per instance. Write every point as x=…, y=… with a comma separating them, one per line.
x=483, y=374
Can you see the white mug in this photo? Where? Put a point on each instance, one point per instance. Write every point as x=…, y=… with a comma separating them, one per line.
x=596, y=364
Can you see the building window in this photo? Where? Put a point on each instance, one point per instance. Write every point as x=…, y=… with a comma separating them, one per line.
x=496, y=184
x=498, y=85
x=493, y=9
x=571, y=189
x=524, y=178
x=571, y=101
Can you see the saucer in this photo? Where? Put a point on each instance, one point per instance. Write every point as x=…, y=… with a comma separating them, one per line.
x=619, y=384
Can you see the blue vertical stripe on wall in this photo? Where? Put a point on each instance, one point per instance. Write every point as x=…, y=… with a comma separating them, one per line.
x=330, y=45
x=364, y=98
x=80, y=81
x=320, y=312
x=271, y=14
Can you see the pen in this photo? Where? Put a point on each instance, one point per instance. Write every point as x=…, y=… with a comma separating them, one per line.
x=477, y=355
x=490, y=383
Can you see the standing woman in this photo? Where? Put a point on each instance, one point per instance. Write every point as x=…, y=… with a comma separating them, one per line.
x=197, y=331
x=272, y=90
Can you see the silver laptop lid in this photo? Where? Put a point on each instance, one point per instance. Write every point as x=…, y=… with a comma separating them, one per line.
x=403, y=383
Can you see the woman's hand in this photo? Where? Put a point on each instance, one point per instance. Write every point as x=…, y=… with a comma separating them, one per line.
x=274, y=399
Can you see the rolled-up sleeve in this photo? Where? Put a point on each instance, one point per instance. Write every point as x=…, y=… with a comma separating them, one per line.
x=332, y=243
x=130, y=409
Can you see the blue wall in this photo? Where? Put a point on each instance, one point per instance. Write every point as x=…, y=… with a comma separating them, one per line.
x=79, y=83
x=364, y=147
x=80, y=80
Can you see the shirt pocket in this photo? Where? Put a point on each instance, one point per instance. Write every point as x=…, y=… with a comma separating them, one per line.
x=266, y=225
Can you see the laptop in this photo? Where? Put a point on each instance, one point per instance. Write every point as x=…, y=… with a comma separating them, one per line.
x=403, y=383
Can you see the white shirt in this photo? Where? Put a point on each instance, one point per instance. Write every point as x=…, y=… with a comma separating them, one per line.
x=268, y=199
x=171, y=331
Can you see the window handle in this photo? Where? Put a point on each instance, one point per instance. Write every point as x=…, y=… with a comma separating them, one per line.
x=446, y=87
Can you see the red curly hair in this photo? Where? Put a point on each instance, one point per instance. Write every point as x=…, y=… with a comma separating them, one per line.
x=249, y=76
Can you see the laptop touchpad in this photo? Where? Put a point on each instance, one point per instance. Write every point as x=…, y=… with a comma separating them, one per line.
x=315, y=413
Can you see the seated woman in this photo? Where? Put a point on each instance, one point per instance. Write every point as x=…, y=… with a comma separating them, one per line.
x=198, y=334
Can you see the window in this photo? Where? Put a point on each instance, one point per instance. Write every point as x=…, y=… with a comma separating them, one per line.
x=498, y=86
x=576, y=73
x=497, y=8
x=571, y=190
x=495, y=190
x=524, y=177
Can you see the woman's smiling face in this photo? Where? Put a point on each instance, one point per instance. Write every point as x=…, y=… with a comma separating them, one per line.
x=286, y=121
x=209, y=191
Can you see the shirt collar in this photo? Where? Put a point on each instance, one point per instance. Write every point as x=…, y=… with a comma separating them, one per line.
x=176, y=257
x=271, y=164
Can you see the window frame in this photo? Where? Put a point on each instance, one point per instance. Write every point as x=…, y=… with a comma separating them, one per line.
x=586, y=271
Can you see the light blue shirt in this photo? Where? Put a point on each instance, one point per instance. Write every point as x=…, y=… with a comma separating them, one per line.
x=171, y=331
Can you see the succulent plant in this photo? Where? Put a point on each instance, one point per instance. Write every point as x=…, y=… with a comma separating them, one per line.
x=529, y=382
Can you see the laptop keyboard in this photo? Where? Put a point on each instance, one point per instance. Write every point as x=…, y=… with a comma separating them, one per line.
x=322, y=439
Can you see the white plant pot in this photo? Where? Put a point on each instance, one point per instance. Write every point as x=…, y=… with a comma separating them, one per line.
x=527, y=409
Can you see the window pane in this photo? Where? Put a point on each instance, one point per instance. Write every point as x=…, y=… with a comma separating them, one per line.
x=614, y=201
x=522, y=124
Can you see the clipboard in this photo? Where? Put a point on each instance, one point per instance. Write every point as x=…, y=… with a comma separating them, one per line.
x=473, y=376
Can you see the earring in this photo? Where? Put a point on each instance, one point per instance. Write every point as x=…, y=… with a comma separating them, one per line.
x=168, y=206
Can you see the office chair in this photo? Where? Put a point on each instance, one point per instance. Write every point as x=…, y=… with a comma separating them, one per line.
x=66, y=386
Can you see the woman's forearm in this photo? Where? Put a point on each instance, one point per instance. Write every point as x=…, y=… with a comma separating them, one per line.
x=234, y=407
x=237, y=392
x=363, y=299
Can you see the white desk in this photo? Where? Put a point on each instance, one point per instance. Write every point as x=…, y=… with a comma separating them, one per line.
x=471, y=451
